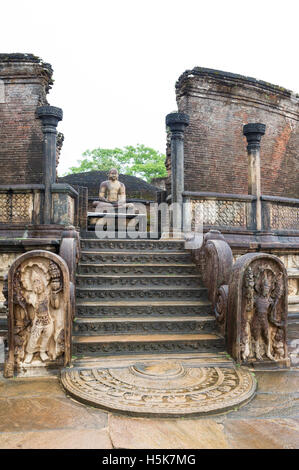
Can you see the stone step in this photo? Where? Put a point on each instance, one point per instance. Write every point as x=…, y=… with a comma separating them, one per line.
x=127, y=325
x=133, y=257
x=205, y=359
x=105, y=281
x=152, y=309
x=97, y=244
x=145, y=293
x=3, y=325
x=144, y=344
x=143, y=269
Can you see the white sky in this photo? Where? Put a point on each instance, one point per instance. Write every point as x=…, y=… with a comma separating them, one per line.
x=116, y=62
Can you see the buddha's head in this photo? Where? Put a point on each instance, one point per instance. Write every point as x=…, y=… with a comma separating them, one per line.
x=113, y=174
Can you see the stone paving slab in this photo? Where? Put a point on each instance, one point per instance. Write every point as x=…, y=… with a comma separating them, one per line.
x=266, y=405
x=262, y=433
x=22, y=387
x=139, y=433
x=142, y=433
x=57, y=439
x=286, y=381
x=36, y=414
x=45, y=413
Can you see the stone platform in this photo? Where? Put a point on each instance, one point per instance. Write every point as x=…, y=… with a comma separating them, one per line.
x=161, y=388
x=118, y=222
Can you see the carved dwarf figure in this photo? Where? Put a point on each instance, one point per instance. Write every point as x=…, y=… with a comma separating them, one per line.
x=112, y=194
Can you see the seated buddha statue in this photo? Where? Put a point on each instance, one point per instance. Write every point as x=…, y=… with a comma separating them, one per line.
x=112, y=194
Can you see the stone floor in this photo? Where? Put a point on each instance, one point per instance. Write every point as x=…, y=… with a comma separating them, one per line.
x=36, y=414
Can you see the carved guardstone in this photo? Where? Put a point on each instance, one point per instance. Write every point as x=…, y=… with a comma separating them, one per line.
x=257, y=310
x=39, y=313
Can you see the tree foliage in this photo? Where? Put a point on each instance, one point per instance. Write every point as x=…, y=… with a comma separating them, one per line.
x=143, y=162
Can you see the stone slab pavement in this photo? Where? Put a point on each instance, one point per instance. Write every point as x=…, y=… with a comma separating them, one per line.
x=35, y=413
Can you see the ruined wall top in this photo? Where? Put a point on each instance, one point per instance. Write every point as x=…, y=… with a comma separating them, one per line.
x=25, y=81
x=26, y=66
x=233, y=83
x=219, y=104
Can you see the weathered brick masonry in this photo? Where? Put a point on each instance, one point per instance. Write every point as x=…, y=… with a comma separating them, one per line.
x=26, y=81
x=219, y=104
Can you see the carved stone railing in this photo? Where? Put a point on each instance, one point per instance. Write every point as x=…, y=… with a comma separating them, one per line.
x=280, y=214
x=221, y=210
x=38, y=294
x=238, y=212
x=215, y=261
x=22, y=205
x=70, y=251
x=249, y=299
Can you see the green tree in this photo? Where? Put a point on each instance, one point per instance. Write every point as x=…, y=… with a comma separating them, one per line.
x=143, y=162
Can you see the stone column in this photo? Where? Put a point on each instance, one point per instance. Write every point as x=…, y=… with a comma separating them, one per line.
x=254, y=133
x=50, y=117
x=177, y=123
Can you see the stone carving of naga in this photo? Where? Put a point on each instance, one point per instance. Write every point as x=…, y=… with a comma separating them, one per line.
x=39, y=311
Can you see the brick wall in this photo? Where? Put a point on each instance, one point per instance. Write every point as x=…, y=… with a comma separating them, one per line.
x=219, y=104
x=26, y=81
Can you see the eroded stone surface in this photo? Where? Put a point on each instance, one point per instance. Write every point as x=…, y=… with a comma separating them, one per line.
x=269, y=405
x=21, y=388
x=138, y=433
x=57, y=439
x=267, y=422
x=262, y=434
x=278, y=381
x=45, y=413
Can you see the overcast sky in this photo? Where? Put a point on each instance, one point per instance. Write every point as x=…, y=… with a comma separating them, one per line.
x=116, y=62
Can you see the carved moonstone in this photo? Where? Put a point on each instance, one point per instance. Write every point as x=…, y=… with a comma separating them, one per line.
x=161, y=388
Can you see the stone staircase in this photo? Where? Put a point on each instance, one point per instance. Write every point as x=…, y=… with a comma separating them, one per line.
x=136, y=297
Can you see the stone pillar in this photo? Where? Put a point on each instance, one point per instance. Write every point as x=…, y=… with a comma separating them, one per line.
x=50, y=117
x=254, y=133
x=177, y=123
